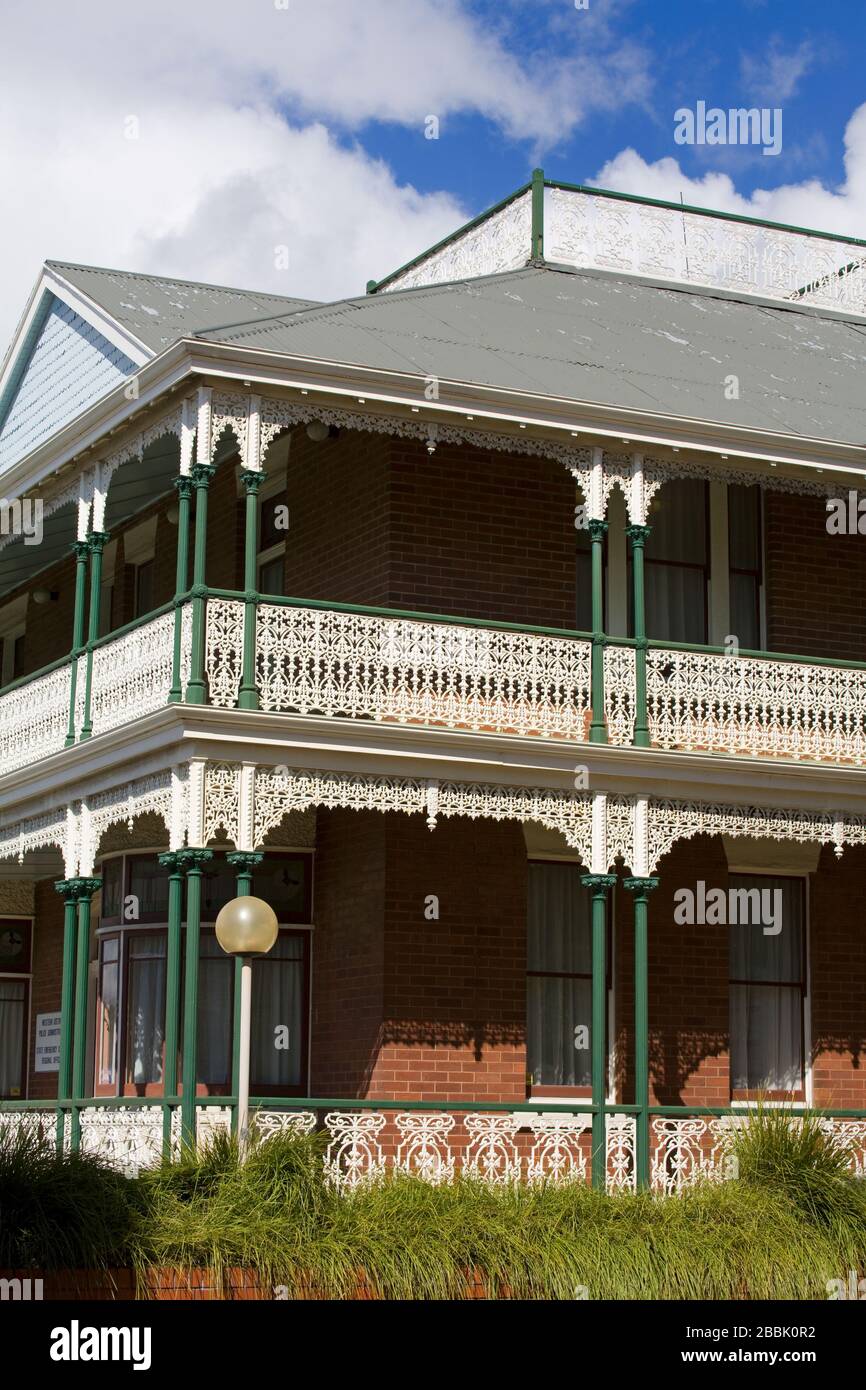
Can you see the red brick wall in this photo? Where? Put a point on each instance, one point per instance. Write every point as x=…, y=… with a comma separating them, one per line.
x=814, y=581
x=47, y=970
x=454, y=988
x=347, y=980
x=688, y=986
x=482, y=534
x=338, y=499
x=838, y=968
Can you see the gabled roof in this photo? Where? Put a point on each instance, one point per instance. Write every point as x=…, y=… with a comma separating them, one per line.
x=157, y=310
x=86, y=329
x=606, y=338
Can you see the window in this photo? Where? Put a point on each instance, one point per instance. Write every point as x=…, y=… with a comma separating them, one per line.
x=131, y=975
x=144, y=577
x=559, y=979
x=744, y=532
x=14, y=1006
x=273, y=524
x=676, y=563
x=767, y=988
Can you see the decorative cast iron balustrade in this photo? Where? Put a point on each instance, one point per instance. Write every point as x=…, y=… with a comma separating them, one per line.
x=132, y=675
x=756, y=706
x=364, y=1146
x=34, y=719
x=351, y=665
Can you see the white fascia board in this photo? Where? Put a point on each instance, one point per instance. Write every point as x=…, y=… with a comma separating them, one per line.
x=177, y=733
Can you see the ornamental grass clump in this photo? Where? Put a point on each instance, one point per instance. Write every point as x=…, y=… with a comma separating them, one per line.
x=60, y=1211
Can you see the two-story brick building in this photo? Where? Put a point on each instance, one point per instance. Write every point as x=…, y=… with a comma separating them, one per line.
x=495, y=628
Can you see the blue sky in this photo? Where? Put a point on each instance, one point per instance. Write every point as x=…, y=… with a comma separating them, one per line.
x=280, y=144
x=805, y=58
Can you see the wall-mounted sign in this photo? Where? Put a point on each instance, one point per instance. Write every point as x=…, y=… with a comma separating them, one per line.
x=47, y=1042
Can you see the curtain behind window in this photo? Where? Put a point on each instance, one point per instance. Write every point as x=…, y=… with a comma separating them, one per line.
x=559, y=962
x=676, y=563
x=277, y=1003
x=145, y=1010
x=13, y=996
x=766, y=1000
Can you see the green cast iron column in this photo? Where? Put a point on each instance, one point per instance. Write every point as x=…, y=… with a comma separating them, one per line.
x=641, y=887
x=252, y=480
x=97, y=540
x=598, y=884
x=86, y=887
x=598, y=727
x=638, y=536
x=68, y=889
x=196, y=691
x=195, y=859
x=81, y=550
x=176, y=864
x=184, y=493
x=245, y=862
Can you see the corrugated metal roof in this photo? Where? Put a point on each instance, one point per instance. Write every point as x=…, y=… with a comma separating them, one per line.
x=605, y=338
x=158, y=310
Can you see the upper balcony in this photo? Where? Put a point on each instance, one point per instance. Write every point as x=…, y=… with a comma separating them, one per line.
x=339, y=661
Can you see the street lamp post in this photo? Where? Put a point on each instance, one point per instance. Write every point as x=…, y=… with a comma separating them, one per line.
x=246, y=927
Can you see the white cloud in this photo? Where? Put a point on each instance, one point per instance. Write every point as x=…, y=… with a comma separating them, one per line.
x=774, y=76
x=244, y=111
x=807, y=204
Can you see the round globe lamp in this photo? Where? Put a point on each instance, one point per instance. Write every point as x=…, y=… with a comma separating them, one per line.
x=245, y=928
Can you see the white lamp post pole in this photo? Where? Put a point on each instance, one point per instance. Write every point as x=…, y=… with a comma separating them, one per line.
x=244, y=1054
x=245, y=927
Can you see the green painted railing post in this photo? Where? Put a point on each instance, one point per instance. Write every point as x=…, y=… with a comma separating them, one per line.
x=598, y=885
x=196, y=690
x=85, y=889
x=175, y=862
x=81, y=550
x=195, y=859
x=598, y=727
x=252, y=479
x=244, y=861
x=641, y=887
x=68, y=889
x=183, y=485
x=638, y=536
x=96, y=541
x=537, y=215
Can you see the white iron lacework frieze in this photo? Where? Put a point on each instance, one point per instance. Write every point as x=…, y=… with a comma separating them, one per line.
x=568, y=812
x=148, y=796
x=134, y=447
x=132, y=674
x=282, y=790
x=222, y=801
x=589, y=230
x=499, y=243
x=315, y=661
x=224, y=650
x=670, y=821
x=746, y=705
x=34, y=719
x=620, y=830
x=423, y=1150
x=230, y=412
x=17, y=838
